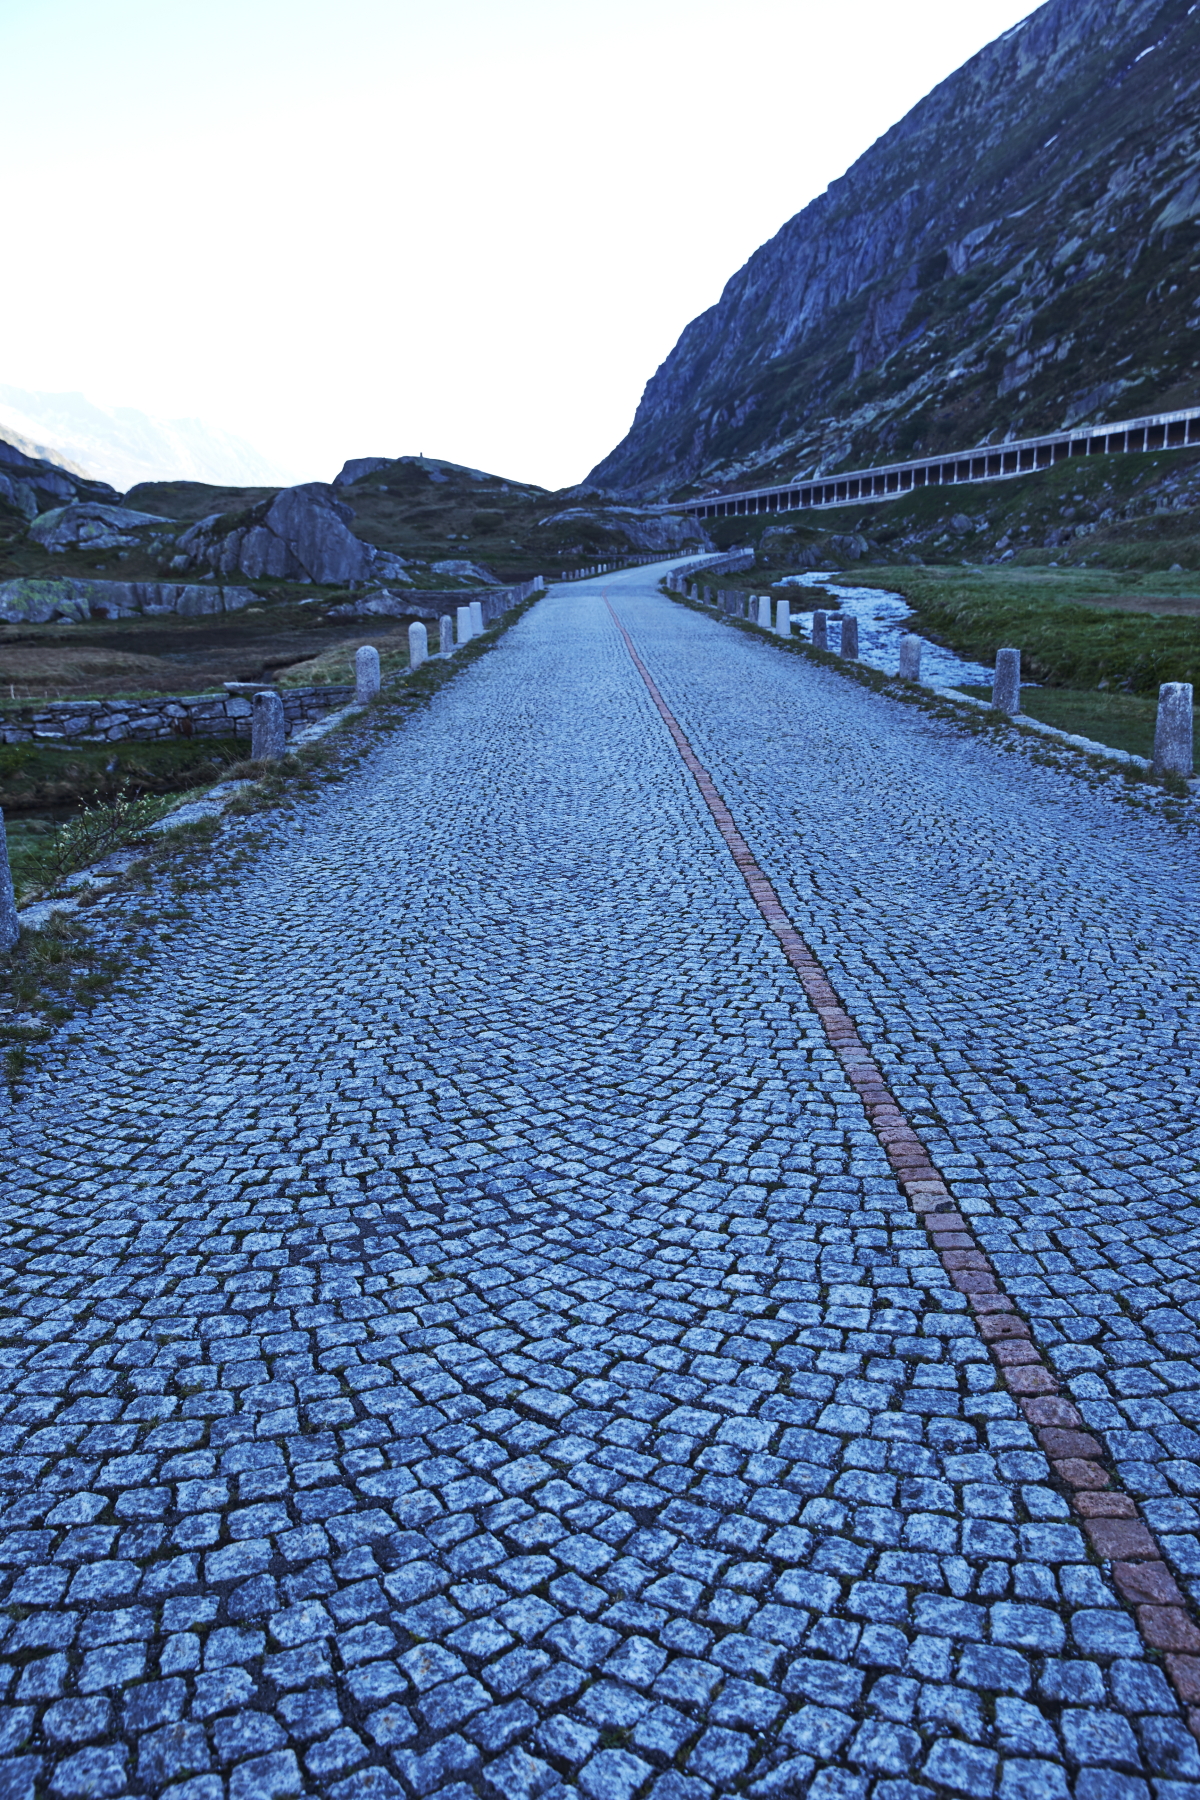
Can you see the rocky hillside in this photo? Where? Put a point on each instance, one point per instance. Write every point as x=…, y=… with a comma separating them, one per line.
x=1018, y=254
x=385, y=528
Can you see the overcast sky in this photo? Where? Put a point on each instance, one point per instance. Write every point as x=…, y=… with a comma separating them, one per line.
x=471, y=228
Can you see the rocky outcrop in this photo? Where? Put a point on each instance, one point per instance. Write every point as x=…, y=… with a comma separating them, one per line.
x=32, y=602
x=641, y=531
x=300, y=534
x=86, y=525
x=31, y=485
x=1014, y=254
x=380, y=605
x=459, y=569
x=358, y=466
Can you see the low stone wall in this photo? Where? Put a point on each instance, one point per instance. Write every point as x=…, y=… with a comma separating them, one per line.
x=213, y=715
x=432, y=603
x=163, y=716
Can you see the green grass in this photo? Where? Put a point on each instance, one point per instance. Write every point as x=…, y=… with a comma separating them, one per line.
x=36, y=775
x=1062, y=643
x=1123, y=721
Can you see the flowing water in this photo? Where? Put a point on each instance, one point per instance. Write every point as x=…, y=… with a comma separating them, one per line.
x=883, y=619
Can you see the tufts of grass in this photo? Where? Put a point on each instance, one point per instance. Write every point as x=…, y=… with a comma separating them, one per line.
x=48, y=976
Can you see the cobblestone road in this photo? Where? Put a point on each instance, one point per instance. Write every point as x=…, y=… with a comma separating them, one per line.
x=462, y=1337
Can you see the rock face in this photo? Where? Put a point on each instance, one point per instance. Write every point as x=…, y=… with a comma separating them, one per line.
x=32, y=602
x=1013, y=257
x=86, y=525
x=301, y=534
x=32, y=486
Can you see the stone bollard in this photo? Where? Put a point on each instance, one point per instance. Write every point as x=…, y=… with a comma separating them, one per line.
x=763, y=603
x=1173, y=729
x=910, y=657
x=1006, y=683
x=418, y=644
x=783, y=618
x=366, y=674
x=850, y=636
x=820, y=636
x=10, y=929
x=268, y=727
x=446, y=635
x=476, y=618
x=464, y=633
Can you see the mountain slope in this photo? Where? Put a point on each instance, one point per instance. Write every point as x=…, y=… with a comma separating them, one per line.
x=1017, y=254
x=125, y=446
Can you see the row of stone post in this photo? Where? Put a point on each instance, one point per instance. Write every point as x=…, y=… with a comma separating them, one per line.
x=758, y=611
x=268, y=721
x=268, y=726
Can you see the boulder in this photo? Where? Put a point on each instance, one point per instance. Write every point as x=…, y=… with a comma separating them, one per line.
x=27, y=601
x=786, y=547
x=87, y=525
x=20, y=495
x=301, y=534
x=461, y=570
x=381, y=605
x=850, y=546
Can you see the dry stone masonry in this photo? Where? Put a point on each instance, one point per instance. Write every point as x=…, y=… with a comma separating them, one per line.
x=164, y=716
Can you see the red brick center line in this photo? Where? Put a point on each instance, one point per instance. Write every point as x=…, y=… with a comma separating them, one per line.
x=1108, y=1515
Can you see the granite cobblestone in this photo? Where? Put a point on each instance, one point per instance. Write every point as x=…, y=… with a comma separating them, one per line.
x=462, y=1337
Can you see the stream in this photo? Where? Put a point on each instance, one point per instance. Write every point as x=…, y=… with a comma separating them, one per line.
x=883, y=619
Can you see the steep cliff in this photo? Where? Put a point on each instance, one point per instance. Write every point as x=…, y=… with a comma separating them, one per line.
x=1018, y=254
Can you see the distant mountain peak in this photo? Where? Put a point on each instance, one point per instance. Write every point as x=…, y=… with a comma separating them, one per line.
x=123, y=446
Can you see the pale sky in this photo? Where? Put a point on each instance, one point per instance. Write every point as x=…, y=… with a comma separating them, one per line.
x=471, y=228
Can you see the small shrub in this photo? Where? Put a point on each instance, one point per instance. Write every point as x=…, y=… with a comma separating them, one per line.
x=94, y=833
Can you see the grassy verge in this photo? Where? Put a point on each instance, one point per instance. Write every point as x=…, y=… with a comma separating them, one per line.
x=76, y=960
x=1125, y=721
x=41, y=864
x=39, y=775
x=1062, y=643
x=1139, y=787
